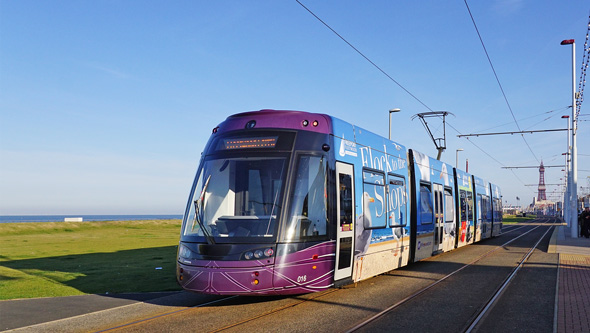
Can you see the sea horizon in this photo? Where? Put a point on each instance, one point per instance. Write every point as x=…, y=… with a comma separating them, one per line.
x=86, y=217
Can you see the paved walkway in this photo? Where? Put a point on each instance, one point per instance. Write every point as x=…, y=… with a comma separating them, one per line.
x=573, y=291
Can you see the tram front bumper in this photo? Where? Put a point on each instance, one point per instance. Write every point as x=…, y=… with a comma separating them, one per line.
x=213, y=279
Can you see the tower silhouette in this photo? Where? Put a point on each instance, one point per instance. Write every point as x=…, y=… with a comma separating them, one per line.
x=542, y=196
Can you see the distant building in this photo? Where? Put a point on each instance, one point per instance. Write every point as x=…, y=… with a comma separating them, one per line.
x=543, y=207
x=542, y=188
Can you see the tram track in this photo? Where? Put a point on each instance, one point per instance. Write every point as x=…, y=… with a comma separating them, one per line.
x=483, y=311
x=424, y=290
x=284, y=306
x=138, y=324
x=492, y=301
x=165, y=314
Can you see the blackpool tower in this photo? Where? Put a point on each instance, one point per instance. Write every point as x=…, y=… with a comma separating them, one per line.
x=542, y=196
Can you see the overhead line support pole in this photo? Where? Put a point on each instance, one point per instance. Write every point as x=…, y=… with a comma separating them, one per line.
x=574, y=163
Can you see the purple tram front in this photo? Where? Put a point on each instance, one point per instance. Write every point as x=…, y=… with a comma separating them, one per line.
x=257, y=219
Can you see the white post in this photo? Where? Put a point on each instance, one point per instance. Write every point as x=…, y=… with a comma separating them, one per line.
x=574, y=215
x=568, y=172
x=573, y=179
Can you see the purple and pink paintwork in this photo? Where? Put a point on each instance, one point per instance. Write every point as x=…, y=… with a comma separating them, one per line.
x=305, y=271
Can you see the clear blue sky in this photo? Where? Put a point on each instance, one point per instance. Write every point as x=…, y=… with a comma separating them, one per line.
x=105, y=106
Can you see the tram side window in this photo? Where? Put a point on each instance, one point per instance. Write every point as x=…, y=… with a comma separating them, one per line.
x=480, y=207
x=485, y=208
x=396, y=201
x=470, y=206
x=426, y=213
x=374, y=210
x=497, y=210
x=345, y=202
x=449, y=207
x=309, y=200
x=463, y=199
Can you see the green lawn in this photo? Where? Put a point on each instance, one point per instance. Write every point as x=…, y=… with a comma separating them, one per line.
x=512, y=219
x=73, y=258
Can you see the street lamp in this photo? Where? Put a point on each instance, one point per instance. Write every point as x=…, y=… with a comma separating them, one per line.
x=390, y=112
x=457, y=157
x=574, y=151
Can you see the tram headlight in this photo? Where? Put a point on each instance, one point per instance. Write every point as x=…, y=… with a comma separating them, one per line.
x=258, y=254
x=184, y=252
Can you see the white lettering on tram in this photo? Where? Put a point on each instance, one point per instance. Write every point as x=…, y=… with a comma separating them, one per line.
x=385, y=162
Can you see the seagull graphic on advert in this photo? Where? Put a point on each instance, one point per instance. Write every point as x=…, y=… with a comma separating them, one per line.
x=363, y=235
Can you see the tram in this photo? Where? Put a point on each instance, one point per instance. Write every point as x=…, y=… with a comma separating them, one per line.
x=291, y=202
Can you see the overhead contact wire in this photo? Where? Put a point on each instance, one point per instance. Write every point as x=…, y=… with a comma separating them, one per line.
x=400, y=85
x=364, y=56
x=498, y=80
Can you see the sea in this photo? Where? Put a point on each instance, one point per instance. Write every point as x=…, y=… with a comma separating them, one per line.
x=86, y=218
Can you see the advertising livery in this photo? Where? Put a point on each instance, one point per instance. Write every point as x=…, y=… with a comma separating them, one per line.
x=289, y=202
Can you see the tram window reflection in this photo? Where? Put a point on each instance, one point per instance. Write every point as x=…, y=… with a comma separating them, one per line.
x=308, y=200
x=237, y=197
x=426, y=212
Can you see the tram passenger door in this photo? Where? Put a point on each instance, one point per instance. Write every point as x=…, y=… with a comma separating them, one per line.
x=439, y=217
x=345, y=217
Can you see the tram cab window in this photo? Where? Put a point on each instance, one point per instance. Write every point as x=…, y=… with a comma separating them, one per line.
x=374, y=209
x=426, y=212
x=307, y=218
x=237, y=197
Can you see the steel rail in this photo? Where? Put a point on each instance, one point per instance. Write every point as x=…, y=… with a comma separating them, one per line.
x=423, y=290
x=170, y=313
x=500, y=290
x=316, y=296
x=165, y=314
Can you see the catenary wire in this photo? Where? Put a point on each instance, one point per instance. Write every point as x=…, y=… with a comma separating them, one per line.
x=498, y=80
x=406, y=90
x=525, y=118
x=364, y=56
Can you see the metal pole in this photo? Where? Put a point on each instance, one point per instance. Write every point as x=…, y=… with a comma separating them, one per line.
x=574, y=164
x=574, y=217
x=390, y=112
x=457, y=157
x=568, y=171
x=389, y=132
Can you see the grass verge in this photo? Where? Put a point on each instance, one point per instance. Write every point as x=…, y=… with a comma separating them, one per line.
x=72, y=258
x=513, y=219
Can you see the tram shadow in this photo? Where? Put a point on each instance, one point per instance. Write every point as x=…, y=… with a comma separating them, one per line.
x=432, y=268
x=141, y=275
x=106, y=273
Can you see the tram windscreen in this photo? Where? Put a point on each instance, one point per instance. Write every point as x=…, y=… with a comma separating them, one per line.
x=237, y=198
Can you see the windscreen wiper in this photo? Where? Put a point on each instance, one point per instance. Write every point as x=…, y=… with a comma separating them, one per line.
x=200, y=212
